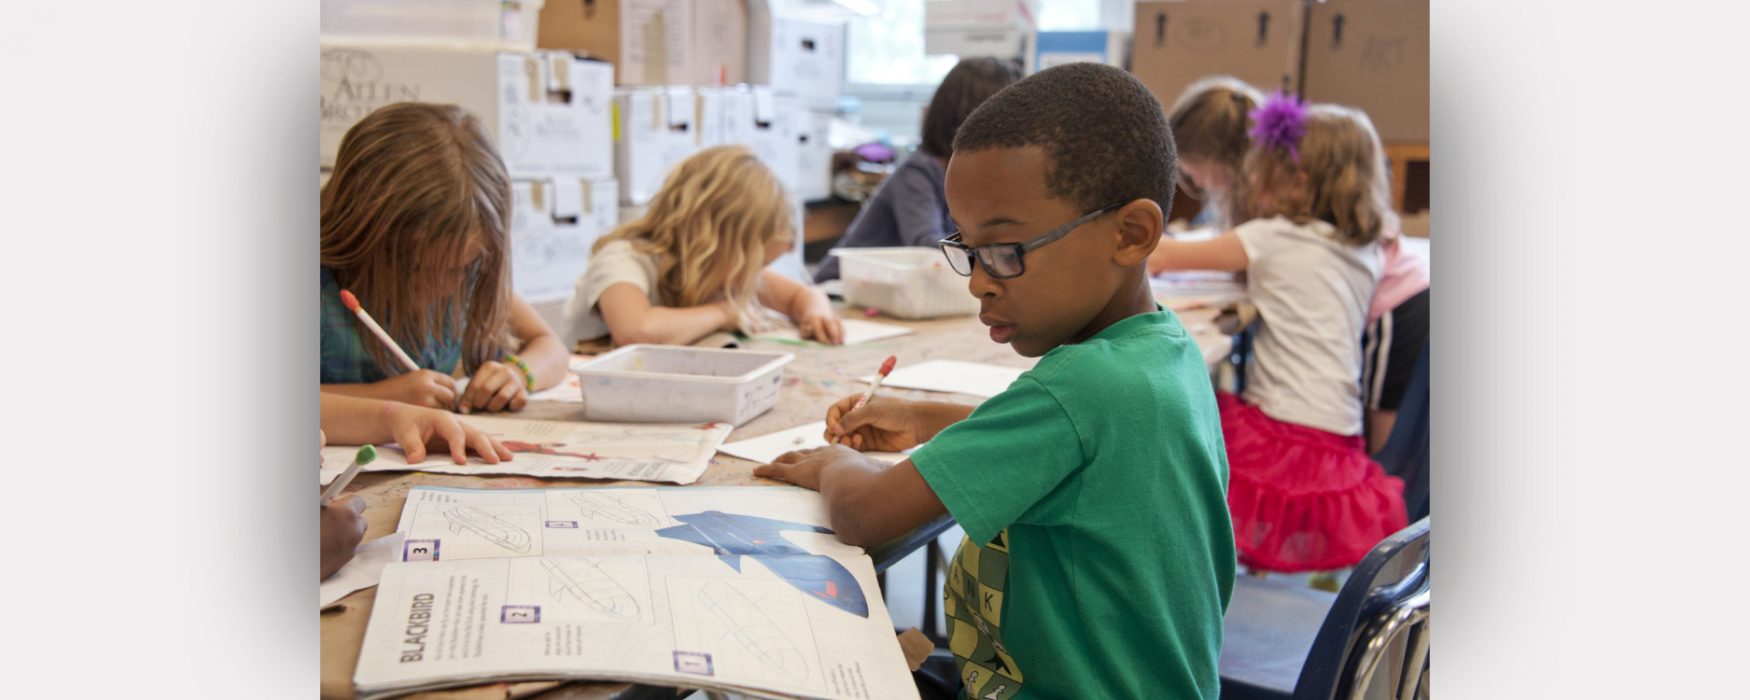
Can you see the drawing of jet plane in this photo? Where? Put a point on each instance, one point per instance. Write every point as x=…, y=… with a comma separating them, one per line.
x=734, y=536
x=586, y=581
x=610, y=508
x=753, y=629
x=495, y=529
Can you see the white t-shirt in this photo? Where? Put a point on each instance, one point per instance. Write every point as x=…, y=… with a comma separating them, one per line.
x=616, y=263
x=1312, y=292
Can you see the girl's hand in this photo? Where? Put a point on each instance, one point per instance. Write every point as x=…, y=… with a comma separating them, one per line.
x=421, y=388
x=883, y=425
x=497, y=386
x=732, y=320
x=419, y=429
x=824, y=327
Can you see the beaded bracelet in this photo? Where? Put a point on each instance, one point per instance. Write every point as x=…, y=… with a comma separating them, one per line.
x=528, y=374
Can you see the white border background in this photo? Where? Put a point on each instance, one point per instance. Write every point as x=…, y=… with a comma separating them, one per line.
x=158, y=196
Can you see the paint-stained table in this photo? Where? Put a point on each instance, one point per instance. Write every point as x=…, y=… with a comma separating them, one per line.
x=819, y=376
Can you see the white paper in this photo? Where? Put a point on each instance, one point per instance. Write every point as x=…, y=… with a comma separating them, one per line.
x=364, y=569
x=855, y=332
x=563, y=449
x=766, y=448
x=736, y=588
x=952, y=376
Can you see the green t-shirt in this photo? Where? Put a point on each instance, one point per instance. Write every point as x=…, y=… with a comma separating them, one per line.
x=1098, y=482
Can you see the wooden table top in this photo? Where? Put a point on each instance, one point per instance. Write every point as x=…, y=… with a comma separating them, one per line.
x=819, y=376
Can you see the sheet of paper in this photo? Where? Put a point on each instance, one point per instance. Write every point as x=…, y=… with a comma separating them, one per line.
x=637, y=451
x=364, y=569
x=855, y=332
x=765, y=448
x=445, y=524
x=952, y=376
x=734, y=588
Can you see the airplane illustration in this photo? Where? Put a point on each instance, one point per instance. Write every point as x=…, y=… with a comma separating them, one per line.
x=586, y=581
x=734, y=536
x=495, y=529
x=753, y=629
x=610, y=508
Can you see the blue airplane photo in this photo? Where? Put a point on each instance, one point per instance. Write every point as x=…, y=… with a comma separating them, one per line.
x=734, y=536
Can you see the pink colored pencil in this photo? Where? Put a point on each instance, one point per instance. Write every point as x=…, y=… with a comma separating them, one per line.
x=886, y=368
x=352, y=304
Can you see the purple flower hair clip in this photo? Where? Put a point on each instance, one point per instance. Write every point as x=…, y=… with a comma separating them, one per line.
x=1280, y=123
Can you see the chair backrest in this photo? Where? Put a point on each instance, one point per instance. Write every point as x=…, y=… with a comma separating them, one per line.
x=1405, y=453
x=1392, y=576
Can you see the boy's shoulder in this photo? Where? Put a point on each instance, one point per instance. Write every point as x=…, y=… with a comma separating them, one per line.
x=1138, y=343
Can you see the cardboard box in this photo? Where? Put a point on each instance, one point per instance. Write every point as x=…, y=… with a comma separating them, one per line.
x=510, y=25
x=653, y=132
x=710, y=123
x=960, y=13
x=1179, y=42
x=975, y=41
x=1057, y=48
x=545, y=111
x=554, y=223
x=720, y=41
x=971, y=28
x=814, y=157
x=654, y=42
x=798, y=56
x=1373, y=55
x=751, y=119
x=782, y=152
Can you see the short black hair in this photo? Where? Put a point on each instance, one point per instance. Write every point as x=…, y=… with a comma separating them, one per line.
x=968, y=85
x=1105, y=136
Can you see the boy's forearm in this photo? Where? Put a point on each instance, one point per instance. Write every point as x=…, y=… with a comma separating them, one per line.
x=870, y=503
x=846, y=487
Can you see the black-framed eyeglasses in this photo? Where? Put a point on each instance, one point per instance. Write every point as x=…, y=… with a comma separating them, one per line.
x=1005, y=260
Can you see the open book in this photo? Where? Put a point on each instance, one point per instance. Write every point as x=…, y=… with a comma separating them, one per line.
x=742, y=589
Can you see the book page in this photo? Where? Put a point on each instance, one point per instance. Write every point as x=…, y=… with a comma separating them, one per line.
x=735, y=588
x=952, y=376
x=544, y=448
x=856, y=332
x=765, y=448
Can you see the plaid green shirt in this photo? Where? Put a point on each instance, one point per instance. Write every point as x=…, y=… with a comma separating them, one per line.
x=346, y=359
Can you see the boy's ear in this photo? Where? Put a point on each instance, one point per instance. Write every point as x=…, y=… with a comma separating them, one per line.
x=1140, y=224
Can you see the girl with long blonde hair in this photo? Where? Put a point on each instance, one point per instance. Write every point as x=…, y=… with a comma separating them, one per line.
x=1303, y=493
x=415, y=220
x=695, y=262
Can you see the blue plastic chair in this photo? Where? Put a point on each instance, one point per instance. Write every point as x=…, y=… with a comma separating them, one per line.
x=1405, y=453
x=1284, y=640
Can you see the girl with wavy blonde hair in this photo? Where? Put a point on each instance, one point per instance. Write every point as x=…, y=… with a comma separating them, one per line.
x=1303, y=492
x=695, y=262
x=414, y=223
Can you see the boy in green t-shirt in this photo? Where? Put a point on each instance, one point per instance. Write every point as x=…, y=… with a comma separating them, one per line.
x=1099, y=555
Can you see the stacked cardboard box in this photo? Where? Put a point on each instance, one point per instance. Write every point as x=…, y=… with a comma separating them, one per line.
x=549, y=114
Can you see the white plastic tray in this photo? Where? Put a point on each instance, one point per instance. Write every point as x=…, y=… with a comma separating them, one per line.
x=673, y=384
x=907, y=282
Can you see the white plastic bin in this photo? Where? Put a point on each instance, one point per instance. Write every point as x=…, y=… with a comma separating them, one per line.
x=907, y=282
x=673, y=384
